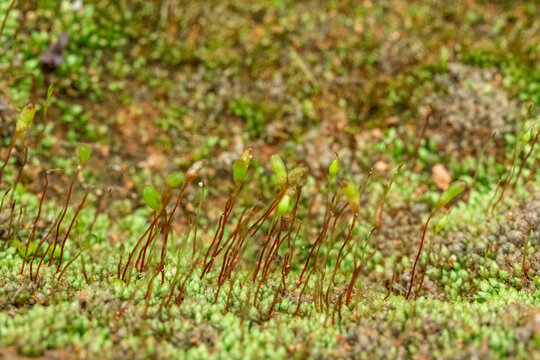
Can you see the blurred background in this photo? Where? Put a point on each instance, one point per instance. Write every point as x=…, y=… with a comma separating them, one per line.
x=156, y=85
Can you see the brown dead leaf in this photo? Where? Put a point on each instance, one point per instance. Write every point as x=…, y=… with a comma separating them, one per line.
x=441, y=177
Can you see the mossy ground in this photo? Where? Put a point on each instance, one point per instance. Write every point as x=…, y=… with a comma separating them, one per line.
x=154, y=86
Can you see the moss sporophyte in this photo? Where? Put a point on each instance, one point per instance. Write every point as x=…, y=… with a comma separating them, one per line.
x=171, y=187
x=337, y=249
x=168, y=184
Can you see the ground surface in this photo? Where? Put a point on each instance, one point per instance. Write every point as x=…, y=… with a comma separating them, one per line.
x=153, y=87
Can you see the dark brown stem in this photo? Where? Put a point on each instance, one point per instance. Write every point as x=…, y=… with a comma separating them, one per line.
x=218, y=236
x=233, y=252
x=175, y=279
x=34, y=227
x=287, y=261
x=264, y=249
x=418, y=255
x=324, y=262
x=119, y=267
x=177, y=204
x=229, y=295
x=232, y=256
x=63, y=213
x=257, y=225
x=98, y=210
x=136, y=246
x=259, y=285
x=273, y=249
x=4, y=198
x=391, y=282
x=32, y=277
x=302, y=293
x=6, y=16
x=67, y=265
x=141, y=259
x=69, y=229
x=276, y=297
x=503, y=189
x=182, y=287
x=149, y=288
x=339, y=258
x=230, y=240
x=84, y=271
x=358, y=268
x=424, y=269
x=161, y=265
x=318, y=241
x=350, y=288
x=149, y=293
x=166, y=225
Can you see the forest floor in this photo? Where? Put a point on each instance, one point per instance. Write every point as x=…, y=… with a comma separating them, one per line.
x=412, y=97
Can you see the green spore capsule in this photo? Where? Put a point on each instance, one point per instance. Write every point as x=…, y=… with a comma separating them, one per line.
x=152, y=198
x=83, y=153
x=284, y=205
x=280, y=171
x=26, y=117
x=353, y=196
x=175, y=179
x=453, y=190
x=239, y=170
x=246, y=156
x=241, y=166
x=333, y=169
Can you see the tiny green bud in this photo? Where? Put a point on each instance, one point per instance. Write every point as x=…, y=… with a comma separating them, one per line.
x=297, y=176
x=353, y=196
x=152, y=198
x=175, y=179
x=240, y=168
x=280, y=171
x=456, y=188
x=284, y=205
x=333, y=169
x=246, y=156
x=241, y=165
x=83, y=153
x=526, y=137
x=26, y=117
